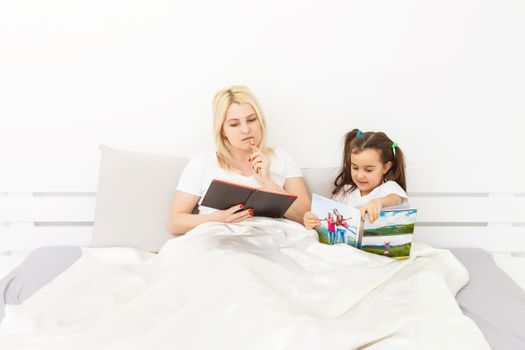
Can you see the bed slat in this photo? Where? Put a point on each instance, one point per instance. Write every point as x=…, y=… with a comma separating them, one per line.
x=28, y=207
x=492, y=221
x=27, y=238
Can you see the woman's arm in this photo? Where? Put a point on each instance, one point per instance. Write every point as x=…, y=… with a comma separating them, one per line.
x=296, y=186
x=181, y=219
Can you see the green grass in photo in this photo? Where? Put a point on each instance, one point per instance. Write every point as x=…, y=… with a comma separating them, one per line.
x=394, y=251
x=390, y=230
x=323, y=234
x=351, y=241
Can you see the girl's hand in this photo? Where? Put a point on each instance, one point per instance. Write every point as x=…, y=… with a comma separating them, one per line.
x=372, y=208
x=260, y=165
x=310, y=220
x=232, y=215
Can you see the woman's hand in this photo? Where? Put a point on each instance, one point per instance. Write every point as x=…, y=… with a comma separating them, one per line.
x=372, y=208
x=233, y=214
x=310, y=220
x=260, y=165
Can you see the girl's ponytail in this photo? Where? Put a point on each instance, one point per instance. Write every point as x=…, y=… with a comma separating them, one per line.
x=397, y=171
x=345, y=177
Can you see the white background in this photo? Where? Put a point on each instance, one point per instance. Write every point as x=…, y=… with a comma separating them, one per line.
x=445, y=79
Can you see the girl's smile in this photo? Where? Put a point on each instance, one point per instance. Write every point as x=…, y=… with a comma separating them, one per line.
x=368, y=170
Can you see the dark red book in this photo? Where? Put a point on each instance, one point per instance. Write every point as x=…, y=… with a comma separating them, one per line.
x=223, y=195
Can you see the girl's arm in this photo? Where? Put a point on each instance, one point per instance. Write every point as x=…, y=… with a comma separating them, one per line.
x=391, y=200
x=373, y=208
x=181, y=219
x=310, y=221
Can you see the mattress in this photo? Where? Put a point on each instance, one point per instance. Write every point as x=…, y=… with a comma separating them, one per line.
x=491, y=298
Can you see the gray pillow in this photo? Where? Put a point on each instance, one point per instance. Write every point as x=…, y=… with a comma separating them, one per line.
x=134, y=197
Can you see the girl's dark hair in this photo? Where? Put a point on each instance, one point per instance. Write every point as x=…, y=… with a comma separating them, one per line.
x=370, y=140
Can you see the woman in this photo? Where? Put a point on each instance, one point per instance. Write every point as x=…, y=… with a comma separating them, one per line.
x=242, y=157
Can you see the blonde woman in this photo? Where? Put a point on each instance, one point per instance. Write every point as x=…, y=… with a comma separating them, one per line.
x=241, y=156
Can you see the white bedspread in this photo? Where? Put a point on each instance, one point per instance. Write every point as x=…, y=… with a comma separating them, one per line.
x=260, y=284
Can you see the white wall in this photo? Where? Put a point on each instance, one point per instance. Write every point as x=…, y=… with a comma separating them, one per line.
x=445, y=79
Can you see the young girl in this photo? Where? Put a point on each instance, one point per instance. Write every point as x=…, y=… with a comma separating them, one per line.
x=372, y=176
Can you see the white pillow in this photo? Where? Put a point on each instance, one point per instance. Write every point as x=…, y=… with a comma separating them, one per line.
x=135, y=193
x=320, y=180
x=134, y=197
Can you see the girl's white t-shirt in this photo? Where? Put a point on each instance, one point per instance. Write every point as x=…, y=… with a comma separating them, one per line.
x=354, y=198
x=202, y=169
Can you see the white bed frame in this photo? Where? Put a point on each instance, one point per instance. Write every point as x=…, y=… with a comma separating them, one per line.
x=29, y=220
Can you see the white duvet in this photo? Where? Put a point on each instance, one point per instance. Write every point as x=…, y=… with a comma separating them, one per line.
x=261, y=284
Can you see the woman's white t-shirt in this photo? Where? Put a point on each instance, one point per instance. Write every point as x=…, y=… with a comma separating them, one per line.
x=354, y=198
x=202, y=169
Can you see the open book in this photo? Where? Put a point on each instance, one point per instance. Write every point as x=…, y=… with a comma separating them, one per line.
x=390, y=235
x=223, y=195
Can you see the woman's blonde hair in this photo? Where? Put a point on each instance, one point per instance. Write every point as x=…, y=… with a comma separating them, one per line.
x=222, y=100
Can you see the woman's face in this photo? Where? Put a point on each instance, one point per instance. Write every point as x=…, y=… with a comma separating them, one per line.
x=368, y=170
x=241, y=126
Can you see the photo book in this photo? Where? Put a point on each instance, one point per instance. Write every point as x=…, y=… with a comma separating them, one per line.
x=224, y=195
x=389, y=235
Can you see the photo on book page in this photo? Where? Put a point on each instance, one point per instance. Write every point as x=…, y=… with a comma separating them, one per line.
x=390, y=235
x=339, y=223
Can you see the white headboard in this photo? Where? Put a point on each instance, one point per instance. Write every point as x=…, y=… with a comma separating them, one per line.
x=486, y=220
x=141, y=75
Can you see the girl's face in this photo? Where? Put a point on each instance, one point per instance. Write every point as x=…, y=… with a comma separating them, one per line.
x=241, y=126
x=368, y=170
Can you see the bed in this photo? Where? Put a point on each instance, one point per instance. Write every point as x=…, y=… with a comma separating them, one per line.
x=500, y=320
x=490, y=298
